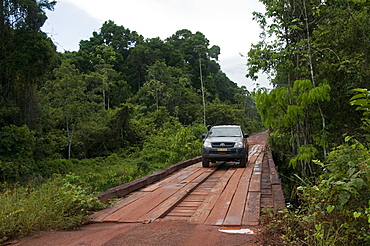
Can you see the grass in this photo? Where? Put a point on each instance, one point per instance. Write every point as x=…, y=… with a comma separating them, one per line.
x=55, y=204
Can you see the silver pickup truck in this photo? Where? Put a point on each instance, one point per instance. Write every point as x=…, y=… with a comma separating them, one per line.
x=225, y=143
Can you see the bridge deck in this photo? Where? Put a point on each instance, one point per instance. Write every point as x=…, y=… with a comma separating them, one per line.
x=222, y=194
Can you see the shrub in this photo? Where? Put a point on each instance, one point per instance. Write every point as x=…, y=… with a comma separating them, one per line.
x=17, y=145
x=335, y=210
x=56, y=204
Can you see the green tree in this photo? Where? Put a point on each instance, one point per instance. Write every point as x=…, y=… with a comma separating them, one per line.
x=169, y=87
x=146, y=54
x=26, y=55
x=342, y=45
x=121, y=39
x=292, y=110
x=304, y=50
x=200, y=49
x=17, y=147
x=192, y=46
x=67, y=100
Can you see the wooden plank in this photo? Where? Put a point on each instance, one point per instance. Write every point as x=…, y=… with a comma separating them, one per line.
x=201, y=193
x=172, y=201
x=255, y=149
x=191, y=204
x=166, y=200
x=235, y=214
x=253, y=154
x=149, y=201
x=267, y=202
x=252, y=209
x=266, y=185
x=175, y=218
x=102, y=214
x=131, y=212
x=266, y=191
x=125, y=189
x=195, y=198
x=176, y=176
x=279, y=200
x=255, y=183
x=183, y=209
x=219, y=211
x=181, y=214
x=274, y=177
x=205, y=208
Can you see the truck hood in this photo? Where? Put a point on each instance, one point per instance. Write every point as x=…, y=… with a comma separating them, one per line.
x=224, y=139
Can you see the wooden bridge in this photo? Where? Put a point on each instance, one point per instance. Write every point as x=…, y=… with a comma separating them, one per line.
x=222, y=194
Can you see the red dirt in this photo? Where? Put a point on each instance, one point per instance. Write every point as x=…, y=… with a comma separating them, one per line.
x=157, y=233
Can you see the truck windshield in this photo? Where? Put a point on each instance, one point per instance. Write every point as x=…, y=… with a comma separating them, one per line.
x=225, y=132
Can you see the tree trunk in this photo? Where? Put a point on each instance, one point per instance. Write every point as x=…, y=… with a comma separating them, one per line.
x=202, y=87
x=312, y=70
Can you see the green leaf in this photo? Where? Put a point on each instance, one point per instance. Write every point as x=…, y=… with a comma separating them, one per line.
x=359, y=90
x=357, y=214
x=358, y=183
x=317, y=162
x=330, y=208
x=344, y=197
x=360, y=102
x=347, y=138
x=357, y=96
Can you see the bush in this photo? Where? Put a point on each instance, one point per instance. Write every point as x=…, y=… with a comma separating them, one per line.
x=56, y=204
x=173, y=144
x=336, y=209
x=17, y=146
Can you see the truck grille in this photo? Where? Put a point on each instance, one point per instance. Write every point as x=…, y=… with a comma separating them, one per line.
x=223, y=152
x=223, y=144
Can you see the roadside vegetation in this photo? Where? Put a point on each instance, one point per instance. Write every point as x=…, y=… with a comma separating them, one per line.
x=317, y=55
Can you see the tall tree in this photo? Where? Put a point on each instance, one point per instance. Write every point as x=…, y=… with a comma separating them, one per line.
x=67, y=100
x=200, y=49
x=26, y=55
x=304, y=50
x=121, y=39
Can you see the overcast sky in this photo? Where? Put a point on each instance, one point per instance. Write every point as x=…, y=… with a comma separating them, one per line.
x=226, y=23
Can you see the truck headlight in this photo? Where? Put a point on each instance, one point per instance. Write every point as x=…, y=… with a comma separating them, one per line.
x=207, y=144
x=238, y=144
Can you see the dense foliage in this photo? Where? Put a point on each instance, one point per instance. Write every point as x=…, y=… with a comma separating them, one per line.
x=55, y=204
x=317, y=54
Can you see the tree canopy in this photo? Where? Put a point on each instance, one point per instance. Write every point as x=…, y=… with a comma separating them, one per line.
x=113, y=95
x=315, y=52
x=317, y=56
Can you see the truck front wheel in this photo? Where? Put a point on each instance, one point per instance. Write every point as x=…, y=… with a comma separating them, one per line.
x=243, y=162
x=205, y=162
